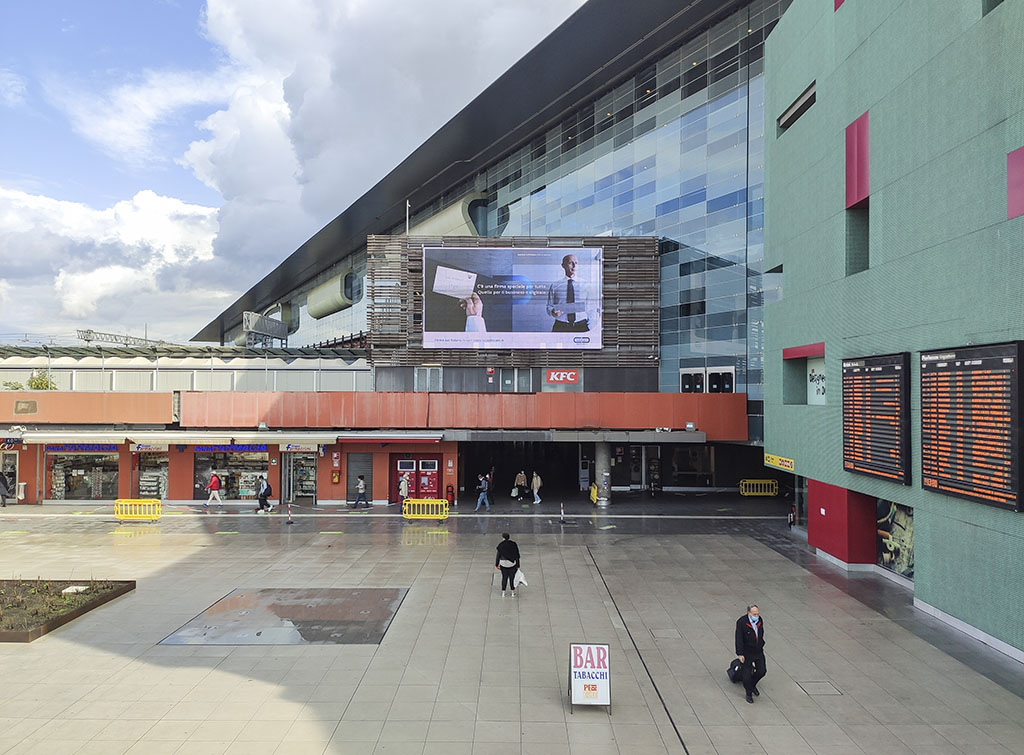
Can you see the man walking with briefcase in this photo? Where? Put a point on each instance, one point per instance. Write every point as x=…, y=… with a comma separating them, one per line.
x=750, y=649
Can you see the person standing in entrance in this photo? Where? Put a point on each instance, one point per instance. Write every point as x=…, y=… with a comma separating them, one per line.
x=507, y=560
x=403, y=487
x=4, y=490
x=535, y=485
x=482, y=485
x=520, y=484
x=360, y=493
x=214, y=487
x=750, y=649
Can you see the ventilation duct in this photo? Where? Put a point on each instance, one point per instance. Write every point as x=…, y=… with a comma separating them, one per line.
x=330, y=297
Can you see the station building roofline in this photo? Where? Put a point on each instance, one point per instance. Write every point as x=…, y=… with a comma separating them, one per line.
x=601, y=42
x=180, y=352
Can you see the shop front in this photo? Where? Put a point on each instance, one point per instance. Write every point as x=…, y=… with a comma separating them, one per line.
x=9, y=448
x=298, y=472
x=238, y=465
x=82, y=471
x=150, y=467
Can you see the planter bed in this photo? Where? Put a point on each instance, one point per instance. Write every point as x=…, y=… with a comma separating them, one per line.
x=29, y=608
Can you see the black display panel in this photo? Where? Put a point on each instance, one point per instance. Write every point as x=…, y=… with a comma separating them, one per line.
x=970, y=419
x=876, y=417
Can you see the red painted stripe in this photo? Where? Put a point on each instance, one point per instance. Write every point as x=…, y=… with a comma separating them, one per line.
x=1015, y=184
x=838, y=3
x=802, y=352
x=858, y=185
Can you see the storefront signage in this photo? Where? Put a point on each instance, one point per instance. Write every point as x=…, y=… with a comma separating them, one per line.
x=149, y=447
x=779, y=462
x=590, y=676
x=9, y=444
x=563, y=376
x=232, y=448
x=73, y=448
x=301, y=447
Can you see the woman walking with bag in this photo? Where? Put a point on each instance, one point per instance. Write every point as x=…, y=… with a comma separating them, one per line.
x=507, y=560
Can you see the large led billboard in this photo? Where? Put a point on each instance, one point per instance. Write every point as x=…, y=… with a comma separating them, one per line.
x=512, y=298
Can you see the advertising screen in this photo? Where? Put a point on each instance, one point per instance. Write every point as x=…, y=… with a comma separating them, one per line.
x=505, y=298
x=970, y=423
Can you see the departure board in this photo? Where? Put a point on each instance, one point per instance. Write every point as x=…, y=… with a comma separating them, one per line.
x=876, y=417
x=970, y=413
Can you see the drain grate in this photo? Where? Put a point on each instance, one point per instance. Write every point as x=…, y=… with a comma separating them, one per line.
x=819, y=688
x=277, y=616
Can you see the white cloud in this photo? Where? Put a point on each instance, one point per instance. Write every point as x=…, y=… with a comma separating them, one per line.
x=12, y=88
x=315, y=101
x=123, y=121
x=66, y=262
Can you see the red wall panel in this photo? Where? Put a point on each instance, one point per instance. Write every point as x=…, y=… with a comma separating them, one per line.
x=722, y=416
x=858, y=184
x=846, y=529
x=180, y=473
x=1015, y=184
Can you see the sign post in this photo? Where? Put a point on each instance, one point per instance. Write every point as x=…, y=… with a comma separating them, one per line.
x=590, y=675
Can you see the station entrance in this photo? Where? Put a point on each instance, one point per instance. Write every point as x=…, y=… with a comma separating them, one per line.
x=564, y=468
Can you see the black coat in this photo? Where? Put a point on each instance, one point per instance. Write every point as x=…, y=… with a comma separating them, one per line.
x=747, y=642
x=508, y=551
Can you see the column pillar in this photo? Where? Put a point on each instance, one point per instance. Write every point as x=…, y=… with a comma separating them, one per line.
x=603, y=472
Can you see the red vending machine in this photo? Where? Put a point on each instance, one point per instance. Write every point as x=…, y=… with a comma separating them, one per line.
x=428, y=479
x=405, y=467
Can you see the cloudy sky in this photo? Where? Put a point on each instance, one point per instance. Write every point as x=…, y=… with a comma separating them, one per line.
x=158, y=157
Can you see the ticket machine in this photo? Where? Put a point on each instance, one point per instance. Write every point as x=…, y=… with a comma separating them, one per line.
x=406, y=466
x=428, y=480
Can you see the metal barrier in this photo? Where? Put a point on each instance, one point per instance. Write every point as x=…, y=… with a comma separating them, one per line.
x=759, y=487
x=138, y=509
x=425, y=508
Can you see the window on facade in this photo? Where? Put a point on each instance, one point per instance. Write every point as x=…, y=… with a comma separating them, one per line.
x=516, y=380
x=857, y=233
x=800, y=106
x=428, y=379
x=692, y=308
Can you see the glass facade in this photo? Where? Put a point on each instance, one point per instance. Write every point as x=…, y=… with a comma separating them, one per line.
x=674, y=151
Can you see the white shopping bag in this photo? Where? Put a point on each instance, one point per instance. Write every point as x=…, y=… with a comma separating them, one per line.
x=520, y=579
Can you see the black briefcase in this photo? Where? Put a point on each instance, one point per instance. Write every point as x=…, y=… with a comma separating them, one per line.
x=735, y=671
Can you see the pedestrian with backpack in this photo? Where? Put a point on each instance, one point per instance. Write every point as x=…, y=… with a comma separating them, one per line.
x=265, y=491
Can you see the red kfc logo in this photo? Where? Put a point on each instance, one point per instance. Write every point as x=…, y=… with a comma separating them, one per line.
x=563, y=376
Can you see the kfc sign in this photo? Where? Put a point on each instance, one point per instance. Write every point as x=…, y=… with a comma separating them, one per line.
x=563, y=376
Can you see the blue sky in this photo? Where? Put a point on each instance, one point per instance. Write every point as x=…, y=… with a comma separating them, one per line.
x=158, y=158
x=75, y=44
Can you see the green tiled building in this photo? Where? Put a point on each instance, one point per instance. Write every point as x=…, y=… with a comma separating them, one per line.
x=894, y=208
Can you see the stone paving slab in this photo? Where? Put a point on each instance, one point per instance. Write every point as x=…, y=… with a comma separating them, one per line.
x=462, y=670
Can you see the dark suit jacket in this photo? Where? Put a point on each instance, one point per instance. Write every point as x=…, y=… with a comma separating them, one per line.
x=747, y=643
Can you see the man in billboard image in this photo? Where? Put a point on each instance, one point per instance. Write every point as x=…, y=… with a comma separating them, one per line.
x=569, y=299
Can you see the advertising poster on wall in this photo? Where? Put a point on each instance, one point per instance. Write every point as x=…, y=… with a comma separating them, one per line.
x=512, y=298
x=895, y=537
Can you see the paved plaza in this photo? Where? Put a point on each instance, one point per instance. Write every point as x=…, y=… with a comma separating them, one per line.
x=852, y=667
